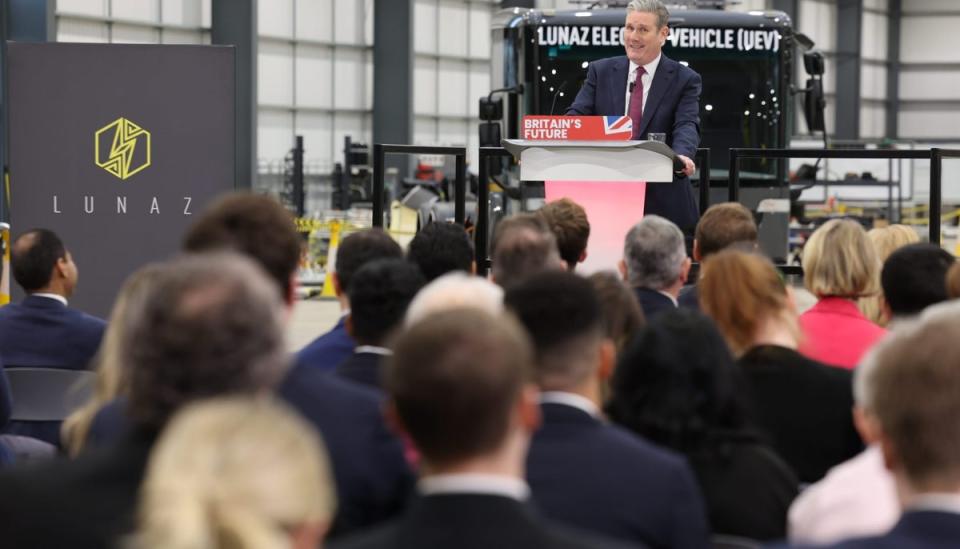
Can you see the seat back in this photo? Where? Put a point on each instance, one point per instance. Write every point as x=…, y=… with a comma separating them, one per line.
x=48, y=394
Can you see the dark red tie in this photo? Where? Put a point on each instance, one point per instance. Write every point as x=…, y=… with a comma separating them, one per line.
x=636, y=103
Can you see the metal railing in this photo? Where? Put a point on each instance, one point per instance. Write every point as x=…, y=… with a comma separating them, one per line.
x=380, y=151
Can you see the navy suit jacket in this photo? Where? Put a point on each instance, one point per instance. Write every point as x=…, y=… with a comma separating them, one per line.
x=599, y=477
x=690, y=298
x=42, y=332
x=330, y=349
x=914, y=530
x=362, y=368
x=672, y=107
x=653, y=302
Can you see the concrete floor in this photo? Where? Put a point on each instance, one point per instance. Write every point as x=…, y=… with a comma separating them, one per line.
x=311, y=318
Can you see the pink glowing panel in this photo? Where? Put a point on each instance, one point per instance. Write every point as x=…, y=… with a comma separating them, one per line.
x=612, y=208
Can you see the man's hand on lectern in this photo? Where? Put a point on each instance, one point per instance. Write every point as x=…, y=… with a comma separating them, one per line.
x=688, y=166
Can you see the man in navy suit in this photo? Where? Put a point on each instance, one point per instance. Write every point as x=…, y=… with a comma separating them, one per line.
x=41, y=330
x=659, y=94
x=913, y=387
x=584, y=471
x=327, y=351
x=655, y=264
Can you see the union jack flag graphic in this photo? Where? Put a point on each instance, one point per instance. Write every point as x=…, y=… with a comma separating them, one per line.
x=617, y=124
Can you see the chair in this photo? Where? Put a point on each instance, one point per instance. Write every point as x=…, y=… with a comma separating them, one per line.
x=721, y=541
x=48, y=394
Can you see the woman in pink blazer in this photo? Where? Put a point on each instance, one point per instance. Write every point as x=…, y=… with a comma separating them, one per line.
x=840, y=265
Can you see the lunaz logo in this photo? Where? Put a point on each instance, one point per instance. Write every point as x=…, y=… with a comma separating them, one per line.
x=129, y=150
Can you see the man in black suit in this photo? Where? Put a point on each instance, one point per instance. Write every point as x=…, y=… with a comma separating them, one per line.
x=522, y=245
x=916, y=380
x=42, y=331
x=584, y=471
x=459, y=387
x=212, y=325
x=722, y=225
x=655, y=264
x=379, y=294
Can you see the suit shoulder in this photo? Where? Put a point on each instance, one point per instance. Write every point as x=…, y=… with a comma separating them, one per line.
x=607, y=62
x=373, y=538
x=639, y=447
x=564, y=537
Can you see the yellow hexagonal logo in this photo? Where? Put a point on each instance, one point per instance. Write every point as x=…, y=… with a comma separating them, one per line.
x=129, y=148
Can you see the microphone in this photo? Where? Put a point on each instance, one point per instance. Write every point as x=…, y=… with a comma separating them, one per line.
x=633, y=85
x=553, y=104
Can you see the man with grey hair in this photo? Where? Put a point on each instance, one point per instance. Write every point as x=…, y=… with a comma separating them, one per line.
x=212, y=325
x=913, y=393
x=522, y=246
x=655, y=264
x=659, y=94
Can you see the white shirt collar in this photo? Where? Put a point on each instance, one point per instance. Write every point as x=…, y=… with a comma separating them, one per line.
x=475, y=483
x=56, y=297
x=670, y=296
x=650, y=67
x=570, y=399
x=373, y=349
x=945, y=502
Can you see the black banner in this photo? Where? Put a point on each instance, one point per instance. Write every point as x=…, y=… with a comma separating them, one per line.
x=116, y=148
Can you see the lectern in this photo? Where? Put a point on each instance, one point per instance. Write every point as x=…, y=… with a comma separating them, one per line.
x=607, y=178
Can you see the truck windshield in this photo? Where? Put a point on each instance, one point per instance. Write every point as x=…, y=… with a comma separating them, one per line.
x=740, y=106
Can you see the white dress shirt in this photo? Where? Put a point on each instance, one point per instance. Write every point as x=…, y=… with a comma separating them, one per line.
x=945, y=503
x=646, y=80
x=475, y=483
x=570, y=399
x=373, y=349
x=55, y=297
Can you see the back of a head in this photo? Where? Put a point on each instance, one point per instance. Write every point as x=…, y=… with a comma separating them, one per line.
x=568, y=222
x=236, y=473
x=253, y=225
x=440, y=248
x=740, y=291
x=673, y=395
x=212, y=325
x=455, y=379
x=723, y=225
x=915, y=385
x=561, y=312
x=359, y=248
x=33, y=256
x=653, y=253
x=914, y=277
x=840, y=261
x=379, y=294
x=622, y=315
x=888, y=239
x=522, y=246
x=455, y=291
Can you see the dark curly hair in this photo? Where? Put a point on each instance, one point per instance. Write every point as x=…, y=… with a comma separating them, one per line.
x=677, y=385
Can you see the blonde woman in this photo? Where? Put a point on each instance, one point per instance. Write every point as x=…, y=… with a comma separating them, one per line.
x=754, y=310
x=840, y=265
x=886, y=240
x=111, y=381
x=236, y=473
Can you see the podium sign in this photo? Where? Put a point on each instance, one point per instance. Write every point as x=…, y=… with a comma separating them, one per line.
x=577, y=128
x=116, y=148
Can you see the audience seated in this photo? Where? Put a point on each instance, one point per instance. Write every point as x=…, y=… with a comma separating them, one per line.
x=379, y=294
x=112, y=379
x=455, y=291
x=655, y=264
x=677, y=386
x=441, y=248
x=522, y=245
x=330, y=349
x=583, y=471
x=372, y=476
x=885, y=240
x=802, y=406
x=42, y=331
x=211, y=326
x=568, y=222
x=236, y=473
x=459, y=387
x=857, y=497
x=915, y=386
x=721, y=226
x=622, y=316
x=840, y=265
x=913, y=278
